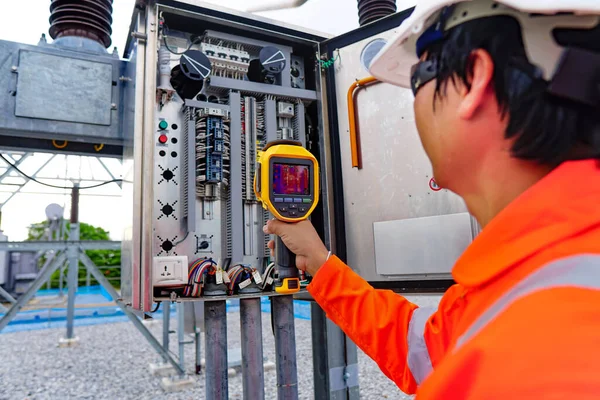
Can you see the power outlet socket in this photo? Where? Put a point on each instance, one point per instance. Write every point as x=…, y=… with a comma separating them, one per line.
x=170, y=271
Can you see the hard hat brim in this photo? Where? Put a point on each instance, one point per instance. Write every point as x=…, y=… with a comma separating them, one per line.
x=394, y=61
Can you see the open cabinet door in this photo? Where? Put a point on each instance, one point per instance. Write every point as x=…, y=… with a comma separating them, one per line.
x=390, y=222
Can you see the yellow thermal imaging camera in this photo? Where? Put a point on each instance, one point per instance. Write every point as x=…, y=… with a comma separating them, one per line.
x=287, y=184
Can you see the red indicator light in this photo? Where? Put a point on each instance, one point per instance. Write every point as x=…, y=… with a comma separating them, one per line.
x=162, y=139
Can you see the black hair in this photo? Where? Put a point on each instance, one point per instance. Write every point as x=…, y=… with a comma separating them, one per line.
x=547, y=129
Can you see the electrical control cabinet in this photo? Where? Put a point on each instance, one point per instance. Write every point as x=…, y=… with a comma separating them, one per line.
x=214, y=86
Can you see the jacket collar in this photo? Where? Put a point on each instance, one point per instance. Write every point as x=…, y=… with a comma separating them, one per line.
x=562, y=204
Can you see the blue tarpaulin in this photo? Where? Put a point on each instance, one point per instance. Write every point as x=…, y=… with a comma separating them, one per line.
x=55, y=317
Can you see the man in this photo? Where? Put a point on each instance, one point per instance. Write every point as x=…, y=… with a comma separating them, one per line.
x=507, y=105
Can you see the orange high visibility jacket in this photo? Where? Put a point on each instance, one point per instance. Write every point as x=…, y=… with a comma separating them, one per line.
x=522, y=320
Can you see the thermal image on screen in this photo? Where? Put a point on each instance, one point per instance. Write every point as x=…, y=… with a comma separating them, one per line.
x=290, y=179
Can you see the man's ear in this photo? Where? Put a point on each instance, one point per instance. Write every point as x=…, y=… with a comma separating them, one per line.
x=480, y=76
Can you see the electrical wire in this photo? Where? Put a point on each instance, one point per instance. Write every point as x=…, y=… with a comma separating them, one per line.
x=156, y=308
x=182, y=240
x=268, y=271
x=55, y=186
x=237, y=273
x=196, y=276
x=193, y=41
x=60, y=146
x=329, y=63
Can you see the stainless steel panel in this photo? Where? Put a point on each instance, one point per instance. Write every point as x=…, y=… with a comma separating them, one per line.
x=132, y=174
x=63, y=88
x=48, y=105
x=416, y=247
x=147, y=157
x=394, y=181
x=169, y=161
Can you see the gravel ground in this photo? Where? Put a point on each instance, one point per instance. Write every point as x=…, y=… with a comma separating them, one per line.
x=111, y=362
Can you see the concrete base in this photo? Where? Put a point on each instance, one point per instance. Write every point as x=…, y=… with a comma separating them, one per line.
x=161, y=369
x=64, y=342
x=269, y=366
x=177, y=383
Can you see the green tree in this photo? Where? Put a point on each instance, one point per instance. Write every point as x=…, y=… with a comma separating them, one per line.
x=102, y=258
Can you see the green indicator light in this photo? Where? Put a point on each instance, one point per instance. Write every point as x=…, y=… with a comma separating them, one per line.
x=163, y=125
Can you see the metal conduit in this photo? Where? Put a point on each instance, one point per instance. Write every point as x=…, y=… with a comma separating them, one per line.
x=285, y=347
x=252, y=349
x=216, y=367
x=215, y=324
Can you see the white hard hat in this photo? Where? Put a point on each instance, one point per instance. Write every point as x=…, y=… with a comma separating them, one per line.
x=393, y=63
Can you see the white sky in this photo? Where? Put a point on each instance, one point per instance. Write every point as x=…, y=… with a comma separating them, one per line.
x=24, y=21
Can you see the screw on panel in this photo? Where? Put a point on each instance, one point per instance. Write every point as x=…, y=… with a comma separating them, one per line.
x=13, y=68
x=113, y=106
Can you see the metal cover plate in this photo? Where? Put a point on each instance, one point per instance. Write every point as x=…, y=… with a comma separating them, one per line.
x=394, y=181
x=63, y=89
x=427, y=245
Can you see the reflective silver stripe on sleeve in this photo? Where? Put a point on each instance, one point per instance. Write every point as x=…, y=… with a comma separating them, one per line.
x=582, y=271
x=417, y=358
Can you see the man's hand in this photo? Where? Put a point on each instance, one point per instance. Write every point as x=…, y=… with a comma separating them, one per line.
x=302, y=240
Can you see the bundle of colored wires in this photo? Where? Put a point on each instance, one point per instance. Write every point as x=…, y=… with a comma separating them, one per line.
x=237, y=273
x=196, y=274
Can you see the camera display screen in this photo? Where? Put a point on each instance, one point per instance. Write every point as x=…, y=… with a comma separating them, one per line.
x=291, y=179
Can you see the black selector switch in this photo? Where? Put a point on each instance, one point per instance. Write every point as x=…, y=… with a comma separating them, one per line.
x=167, y=245
x=203, y=245
x=167, y=209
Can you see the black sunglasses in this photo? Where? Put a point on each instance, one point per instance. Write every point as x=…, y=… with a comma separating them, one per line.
x=421, y=73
